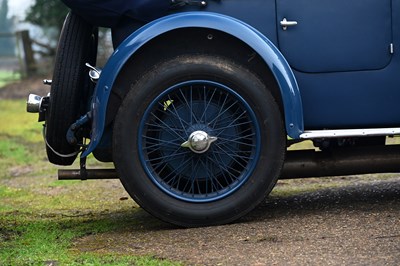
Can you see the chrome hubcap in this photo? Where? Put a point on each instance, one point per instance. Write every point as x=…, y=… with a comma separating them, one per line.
x=199, y=142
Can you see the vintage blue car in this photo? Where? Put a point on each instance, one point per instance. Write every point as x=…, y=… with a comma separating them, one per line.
x=197, y=109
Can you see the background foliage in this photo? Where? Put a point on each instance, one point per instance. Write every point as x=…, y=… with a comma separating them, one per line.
x=48, y=14
x=6, y=26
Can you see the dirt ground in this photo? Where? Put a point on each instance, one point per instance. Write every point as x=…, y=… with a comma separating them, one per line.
x=21, y=90
x=354, y=223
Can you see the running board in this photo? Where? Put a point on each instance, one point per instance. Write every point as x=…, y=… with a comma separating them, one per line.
x=340, y=133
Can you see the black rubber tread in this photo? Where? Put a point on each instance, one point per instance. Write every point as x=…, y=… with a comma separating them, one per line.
x=125, y=139
x=69, y=88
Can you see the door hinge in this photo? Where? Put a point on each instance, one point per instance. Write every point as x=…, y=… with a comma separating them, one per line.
x=391, y=48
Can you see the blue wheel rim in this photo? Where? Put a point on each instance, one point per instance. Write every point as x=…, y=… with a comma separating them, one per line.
x=192, y=106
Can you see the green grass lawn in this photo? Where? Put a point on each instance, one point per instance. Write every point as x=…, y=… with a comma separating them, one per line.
x=41, y=217
x=8, y=77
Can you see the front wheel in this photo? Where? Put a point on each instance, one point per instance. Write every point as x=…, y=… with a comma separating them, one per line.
x=199, y=140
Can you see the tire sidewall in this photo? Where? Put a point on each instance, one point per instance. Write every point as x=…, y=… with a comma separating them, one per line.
x=141, y=187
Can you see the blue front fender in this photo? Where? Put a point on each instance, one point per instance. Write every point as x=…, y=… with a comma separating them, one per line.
x=262, y=45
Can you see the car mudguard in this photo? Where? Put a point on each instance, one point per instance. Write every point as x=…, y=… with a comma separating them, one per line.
x=262, y=45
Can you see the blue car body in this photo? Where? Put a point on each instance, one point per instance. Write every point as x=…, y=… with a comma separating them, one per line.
x=336, y=68
x=268, y=51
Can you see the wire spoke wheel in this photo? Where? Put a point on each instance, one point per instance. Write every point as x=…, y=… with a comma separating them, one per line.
x=197, y=144
x=200, y=141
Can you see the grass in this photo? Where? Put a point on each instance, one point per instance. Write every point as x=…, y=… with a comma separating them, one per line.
x=21, y=142
x=41, y=217
x=29, y=239
x=18, y=123
x=8, y=77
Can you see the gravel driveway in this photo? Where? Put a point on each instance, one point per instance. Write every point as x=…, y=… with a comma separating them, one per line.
x=357, y=223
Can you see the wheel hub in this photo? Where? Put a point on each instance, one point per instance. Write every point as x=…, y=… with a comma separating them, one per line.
x=199, y=141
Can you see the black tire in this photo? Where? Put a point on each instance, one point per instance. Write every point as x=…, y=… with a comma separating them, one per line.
x=70, y=87
x=221, y=201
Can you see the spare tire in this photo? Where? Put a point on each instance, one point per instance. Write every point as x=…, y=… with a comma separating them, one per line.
x=71, y=87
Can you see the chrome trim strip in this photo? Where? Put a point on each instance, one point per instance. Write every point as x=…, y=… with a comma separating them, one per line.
x=339, y=133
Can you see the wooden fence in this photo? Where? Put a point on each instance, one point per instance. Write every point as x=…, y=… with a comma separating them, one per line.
x=25, y=53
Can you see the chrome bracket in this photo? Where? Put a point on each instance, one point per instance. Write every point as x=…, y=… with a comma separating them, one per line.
x=47, y=82
x=94, y=72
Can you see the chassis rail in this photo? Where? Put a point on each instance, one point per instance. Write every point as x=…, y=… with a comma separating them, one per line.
x=300, y=164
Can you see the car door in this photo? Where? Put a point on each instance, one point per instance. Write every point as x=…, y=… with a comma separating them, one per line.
x=335, y=35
